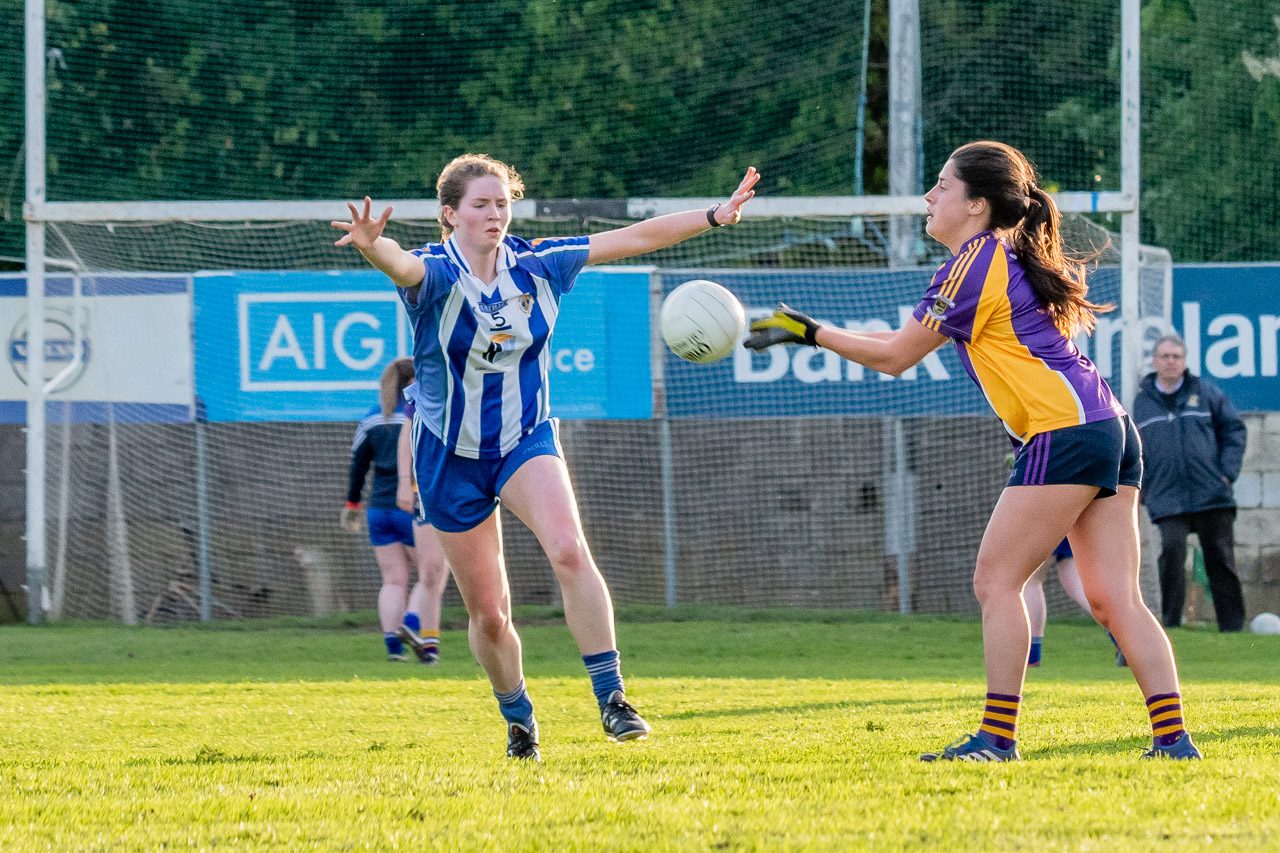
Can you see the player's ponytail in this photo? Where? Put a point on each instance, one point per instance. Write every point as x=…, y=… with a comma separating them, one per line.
x=396, y=376
x=1026, y=216
x=452, y=184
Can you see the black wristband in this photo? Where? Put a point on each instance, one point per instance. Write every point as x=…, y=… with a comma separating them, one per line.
x=711, y=216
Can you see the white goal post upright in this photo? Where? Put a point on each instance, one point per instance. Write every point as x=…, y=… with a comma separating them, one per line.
x=37, y=562
x=1130, y=191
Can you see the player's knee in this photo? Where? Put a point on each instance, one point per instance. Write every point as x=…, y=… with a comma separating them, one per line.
x=569, y=556
x=1103, y=609
x=989, y=584
x=1110, y=607
x=395, y=575
x=433, y=572
x=490, y=623
x=984, y=591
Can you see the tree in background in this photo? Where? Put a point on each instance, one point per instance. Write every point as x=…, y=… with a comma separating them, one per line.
x=614, y=98
x=1211, y=152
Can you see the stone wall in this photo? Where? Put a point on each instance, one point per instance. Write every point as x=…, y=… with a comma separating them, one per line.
x=1258, y=524
x=1257, y=528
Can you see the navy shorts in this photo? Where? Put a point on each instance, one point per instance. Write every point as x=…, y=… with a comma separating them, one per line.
x=1106, y=454
x=457, y=493
x=387, y=526
x=1063, y=551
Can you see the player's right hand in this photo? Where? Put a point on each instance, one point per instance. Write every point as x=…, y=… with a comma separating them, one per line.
x=363, y=230
x=350, y=519
x=404, y=496
x=785, y=326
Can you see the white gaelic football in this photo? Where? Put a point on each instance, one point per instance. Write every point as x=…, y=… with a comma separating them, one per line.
x=701, y=321
x=1265, y=623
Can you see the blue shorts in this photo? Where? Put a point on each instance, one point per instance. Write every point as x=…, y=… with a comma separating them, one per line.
x=1063, y=551
x=387, y=526
x=1106, y=454
x=457, y=493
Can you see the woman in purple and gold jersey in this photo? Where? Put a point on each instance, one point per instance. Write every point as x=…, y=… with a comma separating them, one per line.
x=1011, y=301
x=483, y=305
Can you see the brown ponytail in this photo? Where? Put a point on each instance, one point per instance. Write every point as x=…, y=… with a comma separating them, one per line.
x=397, y=376
x=1027, y=217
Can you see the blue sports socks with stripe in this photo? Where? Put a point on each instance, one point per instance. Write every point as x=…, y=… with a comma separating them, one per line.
x=516, y=706
x=606, y=674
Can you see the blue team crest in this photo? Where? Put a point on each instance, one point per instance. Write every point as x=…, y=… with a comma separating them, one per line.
x=526, y=303
x=941, y=305
x=499, y=345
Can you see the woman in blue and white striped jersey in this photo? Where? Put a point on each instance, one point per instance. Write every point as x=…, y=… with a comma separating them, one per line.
x=483, y=305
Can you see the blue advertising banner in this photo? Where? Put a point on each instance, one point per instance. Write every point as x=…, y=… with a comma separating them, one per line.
x=310, y=346
x=600, y=348
x=785, y=381
x=1229, y=315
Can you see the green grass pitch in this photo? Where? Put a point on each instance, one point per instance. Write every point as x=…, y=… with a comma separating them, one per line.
x=772, y=731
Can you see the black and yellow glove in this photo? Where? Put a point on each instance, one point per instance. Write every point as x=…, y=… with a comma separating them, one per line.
x=786, y=326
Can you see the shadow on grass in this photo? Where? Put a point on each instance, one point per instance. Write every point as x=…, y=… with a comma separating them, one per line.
x=455, y=618
x=1141, y=743
x=853, y=706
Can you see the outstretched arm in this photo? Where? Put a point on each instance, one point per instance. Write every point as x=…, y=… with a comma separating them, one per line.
x=365, y=233
x=885, y=352
x=663, y=231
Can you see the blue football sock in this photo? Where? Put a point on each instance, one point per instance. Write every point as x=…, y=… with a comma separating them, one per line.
x=1034, y=657
x=394, y=646
x=516, y=706
x=411, y=621
x=606, y=674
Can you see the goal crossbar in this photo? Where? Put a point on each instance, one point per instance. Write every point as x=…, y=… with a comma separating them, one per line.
x=426, y=209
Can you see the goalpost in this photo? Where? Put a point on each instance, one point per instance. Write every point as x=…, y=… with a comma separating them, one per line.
x=677, y=451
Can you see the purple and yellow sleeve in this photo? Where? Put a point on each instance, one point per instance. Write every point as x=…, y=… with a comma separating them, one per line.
x=950, y=306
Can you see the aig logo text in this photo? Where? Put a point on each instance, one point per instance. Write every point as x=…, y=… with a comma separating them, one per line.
x=321, y=341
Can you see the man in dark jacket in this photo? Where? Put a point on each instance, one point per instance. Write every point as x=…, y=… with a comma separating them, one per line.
x=1192, y=446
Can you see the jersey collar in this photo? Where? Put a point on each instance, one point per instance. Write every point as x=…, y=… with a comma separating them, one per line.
x=506, y=255
x=975, y=238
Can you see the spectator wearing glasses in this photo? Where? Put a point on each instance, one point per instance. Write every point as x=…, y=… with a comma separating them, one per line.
x=1192, y=446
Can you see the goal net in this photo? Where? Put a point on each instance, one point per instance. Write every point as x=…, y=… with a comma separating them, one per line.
x=788, y=478
x=774, y=479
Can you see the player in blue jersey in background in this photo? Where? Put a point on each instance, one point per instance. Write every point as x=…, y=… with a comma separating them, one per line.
x=421, y=634
x=1011, y=302
x=397, y=546
x=483, y=305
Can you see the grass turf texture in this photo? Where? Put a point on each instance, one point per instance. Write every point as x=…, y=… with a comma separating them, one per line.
x=772, y=731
